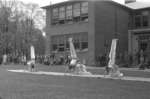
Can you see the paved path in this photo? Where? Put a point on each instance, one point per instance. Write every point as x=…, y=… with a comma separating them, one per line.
x=128, y=69
x=91, y=76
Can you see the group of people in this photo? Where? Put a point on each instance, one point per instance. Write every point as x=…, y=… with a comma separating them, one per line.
x=16, y=59
x=53, y=60
x=22, y=59
x=144, y=61
x=139, y=60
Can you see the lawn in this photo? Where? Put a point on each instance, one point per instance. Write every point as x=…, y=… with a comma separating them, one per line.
x=30, y=86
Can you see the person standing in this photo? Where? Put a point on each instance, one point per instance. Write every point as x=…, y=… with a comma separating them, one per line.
x=141, y=65
x=4, y=59
x=24, y=60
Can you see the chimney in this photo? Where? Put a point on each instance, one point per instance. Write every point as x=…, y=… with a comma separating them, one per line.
x=129, y=1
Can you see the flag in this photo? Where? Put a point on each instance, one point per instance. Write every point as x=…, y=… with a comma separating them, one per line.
x=32, y=52
x=72, y=49
x=112, y=54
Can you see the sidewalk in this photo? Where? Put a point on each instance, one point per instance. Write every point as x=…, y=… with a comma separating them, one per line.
x=122, y=68
x=87, y=76
x=130, y=72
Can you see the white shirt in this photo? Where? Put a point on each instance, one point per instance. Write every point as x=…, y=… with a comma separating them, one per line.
x=73, y=62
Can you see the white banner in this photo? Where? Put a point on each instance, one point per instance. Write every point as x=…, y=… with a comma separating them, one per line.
x=112, y=54
x=72, y=49
x=32, y=52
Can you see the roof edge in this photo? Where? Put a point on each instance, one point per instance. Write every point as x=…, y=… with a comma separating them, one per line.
x=70, y=1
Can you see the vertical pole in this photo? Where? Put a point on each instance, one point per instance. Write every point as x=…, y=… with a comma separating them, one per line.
x=129, y=42
x=116, y=23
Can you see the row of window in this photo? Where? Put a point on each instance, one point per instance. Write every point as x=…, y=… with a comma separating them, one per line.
x=70, y=13
x=60, y=43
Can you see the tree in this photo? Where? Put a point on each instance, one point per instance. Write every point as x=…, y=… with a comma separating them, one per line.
x=19, y=28
x=6, y=35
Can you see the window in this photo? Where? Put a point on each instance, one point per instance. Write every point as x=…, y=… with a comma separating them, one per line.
x=60, y=43
x=84, y=11
x=54, y=44
x=62, y=15
x=130, y=21
x=67, y=45
x=55, y=16
x=69, y=13
x=84, y=8
x=61, y=48
x=137, y=21
x=55, y=47
x=145, y=21
x=76, y=12
x=55, y=13
x=76, y=41
x=141, y=20
x=77, y=44
x=84, y=42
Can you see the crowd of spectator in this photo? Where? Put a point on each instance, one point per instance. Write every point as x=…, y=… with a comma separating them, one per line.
x=41, y=59
x=139, y=59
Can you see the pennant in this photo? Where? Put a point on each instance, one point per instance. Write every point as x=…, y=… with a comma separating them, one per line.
x=112, y=54
x=72, y=49
x=32, y=52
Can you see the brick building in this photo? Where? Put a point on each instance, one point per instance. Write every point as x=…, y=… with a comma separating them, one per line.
x=92, y=25
x=139, y=32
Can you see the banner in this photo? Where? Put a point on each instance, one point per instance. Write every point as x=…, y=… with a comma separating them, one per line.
x=112, y=54
x=32, y=52
x=72, y=49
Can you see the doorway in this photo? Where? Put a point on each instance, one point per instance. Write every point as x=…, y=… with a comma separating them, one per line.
x=143, y=46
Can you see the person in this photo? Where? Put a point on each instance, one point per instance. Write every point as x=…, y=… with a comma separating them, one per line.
x=4, y=59
x=115, y=72
x=81, y=69
x=24, y=60
x=31, y=65
x=107, y=69
x=72, y=65
x=61, y=60
x=141, y=65
x=67, y=59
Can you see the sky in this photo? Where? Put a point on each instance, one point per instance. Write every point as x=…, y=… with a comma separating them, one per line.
x=47, y=2
x=42, y=2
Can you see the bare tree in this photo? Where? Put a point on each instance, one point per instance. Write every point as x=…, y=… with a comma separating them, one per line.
x=17, y=27
x=6, y=36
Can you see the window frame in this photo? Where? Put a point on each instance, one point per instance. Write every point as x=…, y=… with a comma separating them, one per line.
x=76, y=12
x=145, y=21
x=62, y=14
x=55, y=16
x=138, y=22
x=84, y=8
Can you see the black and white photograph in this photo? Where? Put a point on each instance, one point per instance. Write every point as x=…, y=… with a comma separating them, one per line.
x=74, y=49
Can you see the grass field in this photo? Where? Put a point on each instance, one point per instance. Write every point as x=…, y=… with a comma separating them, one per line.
x=29, y=86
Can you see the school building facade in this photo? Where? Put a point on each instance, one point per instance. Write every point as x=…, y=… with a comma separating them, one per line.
x=93, y=25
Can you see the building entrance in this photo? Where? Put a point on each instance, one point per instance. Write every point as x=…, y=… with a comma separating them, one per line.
x=139, y=45
x=143, y=46
x=144, y=42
